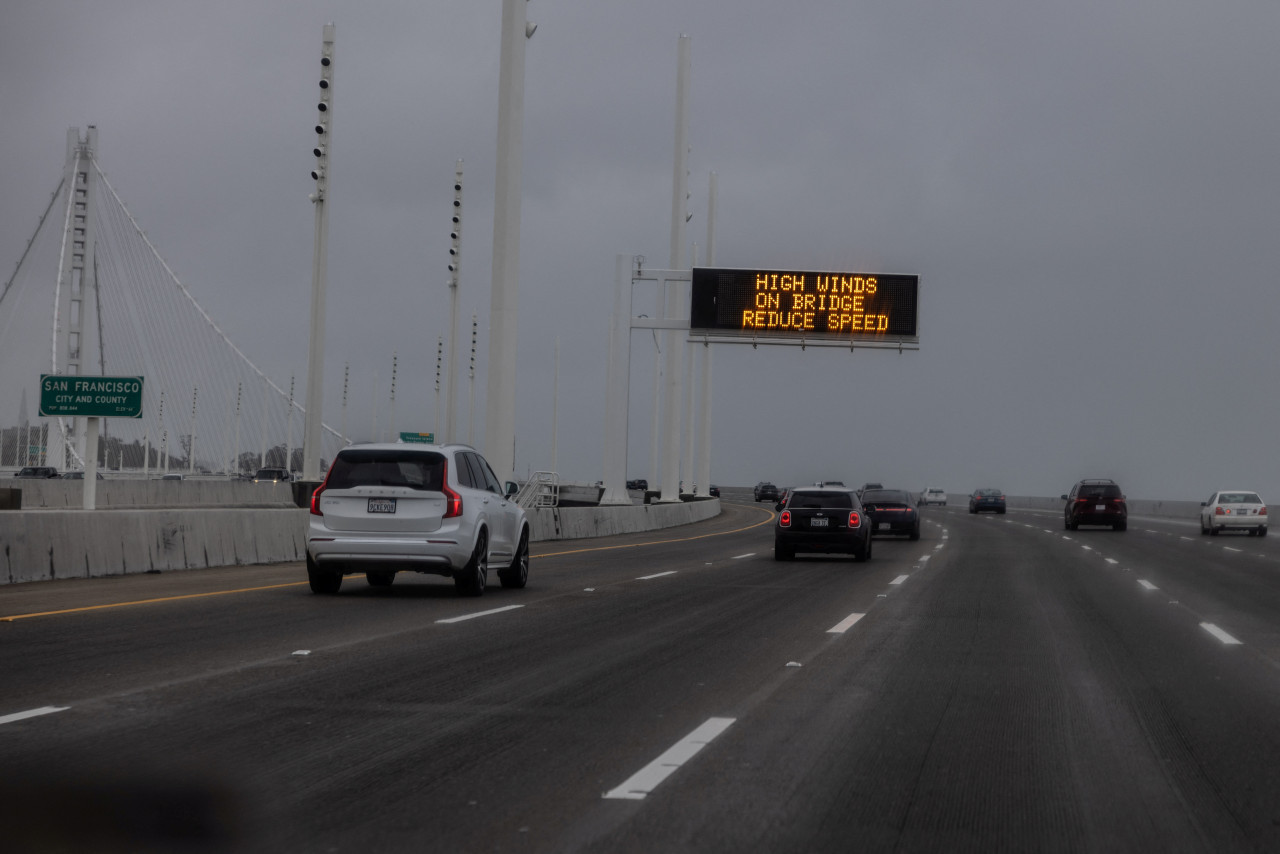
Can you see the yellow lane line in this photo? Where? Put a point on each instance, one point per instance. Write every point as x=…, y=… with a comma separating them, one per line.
x=147, y=601
x=10, y=619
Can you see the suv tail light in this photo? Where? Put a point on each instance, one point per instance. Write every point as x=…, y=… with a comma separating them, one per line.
x=453, y=501
x=315, y=496
x=854, y=519
x=785, y=519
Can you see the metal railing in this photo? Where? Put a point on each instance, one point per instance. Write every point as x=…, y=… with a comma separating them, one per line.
x=542, y=489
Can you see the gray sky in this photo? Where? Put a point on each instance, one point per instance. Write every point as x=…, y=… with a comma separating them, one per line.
x=1088, y=192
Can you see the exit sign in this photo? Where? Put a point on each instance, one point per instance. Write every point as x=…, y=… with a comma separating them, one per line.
x=420, y=438
x=90, y=397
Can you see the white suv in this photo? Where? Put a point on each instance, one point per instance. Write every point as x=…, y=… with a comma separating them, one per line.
x=426, y=508
x=932, y=495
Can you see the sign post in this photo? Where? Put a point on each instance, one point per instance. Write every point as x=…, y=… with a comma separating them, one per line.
x=90, y=398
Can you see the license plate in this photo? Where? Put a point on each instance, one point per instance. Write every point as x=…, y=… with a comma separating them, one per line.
x=817, y=522
x=382, y=505
x=882, y=525
x=1100, y=507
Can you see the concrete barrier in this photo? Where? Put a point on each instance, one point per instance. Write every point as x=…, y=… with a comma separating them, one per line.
x=42, y=545
x=126, y=493
x=45, y=545
x=571, y=523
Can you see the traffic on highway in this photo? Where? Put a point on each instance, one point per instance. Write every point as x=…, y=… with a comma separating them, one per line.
x=1003, y=682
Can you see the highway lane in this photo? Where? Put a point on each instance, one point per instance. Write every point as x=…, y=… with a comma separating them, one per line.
x=993, y=685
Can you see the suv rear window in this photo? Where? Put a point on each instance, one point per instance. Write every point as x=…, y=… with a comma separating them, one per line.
x=821, y=501
x=414, y=469
x=1099, y=491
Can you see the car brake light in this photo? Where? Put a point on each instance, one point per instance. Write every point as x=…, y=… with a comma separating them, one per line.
x=785, y=519
x=315, y=496
x=1262, y=512
x=1217, y=511
x=854, y=519
x=453, y=501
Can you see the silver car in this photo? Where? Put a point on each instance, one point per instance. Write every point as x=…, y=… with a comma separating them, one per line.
x=436, y=509
x=1234, y=510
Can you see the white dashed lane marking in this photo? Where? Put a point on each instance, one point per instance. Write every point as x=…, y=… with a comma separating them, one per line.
x=656, y=575
x=748, y=554
x=1148, y=585
x=1219, y=634
x=647, y=778
x=480, y=614
x=899, y=579
x=32, y=713
x=845, y=624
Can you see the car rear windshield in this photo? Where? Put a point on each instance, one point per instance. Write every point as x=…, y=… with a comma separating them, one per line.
x=821, y=501
x=885, y=496
x=1099, y=491
x=414, y=469
x=1239, y=498
x=990, y=493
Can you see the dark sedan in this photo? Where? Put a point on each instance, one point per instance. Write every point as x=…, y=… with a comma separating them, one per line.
x=986, y=499
x=765, y=491
x=826, y=520
x=892, y=512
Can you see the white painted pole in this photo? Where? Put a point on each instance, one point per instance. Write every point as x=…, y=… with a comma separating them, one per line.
x=455, y=264
x=500, y=409
x=288, y=445
x=655, y=417
x=346, y=376
x=471, y=387
x=671, y=397
x=91, y=464
x=555, y=407
x=704, y=404
x=266, y=415
x=438, y=436
x=617, y=383
x=313, y=425
x=373, y=427
x=235, y=454
x=391, y=421
x=191, y=450
x=686, y=441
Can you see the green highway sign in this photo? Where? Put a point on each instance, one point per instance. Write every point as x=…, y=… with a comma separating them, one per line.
x=422, y=438
x=90, y=397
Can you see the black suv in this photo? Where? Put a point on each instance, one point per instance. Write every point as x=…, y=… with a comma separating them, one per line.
x=766, y=491
x=1095, y=502
x=37, y=472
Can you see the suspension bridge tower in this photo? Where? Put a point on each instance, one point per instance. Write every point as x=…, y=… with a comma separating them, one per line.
x=77, y=331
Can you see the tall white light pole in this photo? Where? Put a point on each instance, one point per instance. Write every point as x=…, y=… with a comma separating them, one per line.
x=555, y=408
x=455, y=263
x=312, y=426
x=500, y=408
x=704, y=406
x=679, y=197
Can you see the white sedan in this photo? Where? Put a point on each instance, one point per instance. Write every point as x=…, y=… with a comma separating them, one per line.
x=1233, y=510
x=932, y=495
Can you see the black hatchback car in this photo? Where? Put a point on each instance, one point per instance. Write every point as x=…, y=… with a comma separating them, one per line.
x=891, y=512
x=822, y=519
x=1095, y=502
x=986, y=499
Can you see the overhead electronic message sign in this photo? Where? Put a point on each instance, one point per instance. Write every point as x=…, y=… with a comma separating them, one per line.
x=856, y=307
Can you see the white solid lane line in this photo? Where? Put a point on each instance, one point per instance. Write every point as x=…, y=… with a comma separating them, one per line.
x=656, y=575
x=1147, y=584
x=647, y=778
x=480, y=614
x=1112, y=560
x=1229, y=549
x=748, y=554
x=899, y=579
x=845, y=624
x=1219, y=634
x=33, y=713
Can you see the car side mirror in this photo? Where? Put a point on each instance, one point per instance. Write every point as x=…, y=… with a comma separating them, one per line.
x=512, y=488
x=779, y=505
x=1204, y=503
x=1064, y=498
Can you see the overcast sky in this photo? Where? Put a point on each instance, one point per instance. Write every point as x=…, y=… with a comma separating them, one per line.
x=1089, y=193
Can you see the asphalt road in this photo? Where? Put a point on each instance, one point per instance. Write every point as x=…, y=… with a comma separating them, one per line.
x=1002, y=684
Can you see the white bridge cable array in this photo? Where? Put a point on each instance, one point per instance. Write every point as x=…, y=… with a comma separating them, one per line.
x=206, y=405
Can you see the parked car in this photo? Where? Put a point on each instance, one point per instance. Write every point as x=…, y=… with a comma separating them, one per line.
x=638, y=483
x=932, y=495
x=1095, y=502
x=822, y=519
x=37, y=472
x=891, y=512
x=77, y=475
x=986, y=499
x=766, y=491
x=714, y=491
x=271, y=475
x=1236, y=510
x=173, y=475
x=438, y=509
